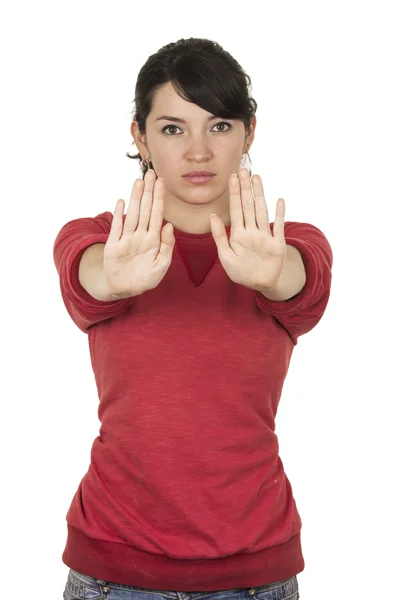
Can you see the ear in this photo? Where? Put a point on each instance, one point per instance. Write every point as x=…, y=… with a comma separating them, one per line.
x=251, y=132
x=139, y=138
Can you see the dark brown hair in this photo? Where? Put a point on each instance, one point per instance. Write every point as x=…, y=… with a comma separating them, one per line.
x=202, y=72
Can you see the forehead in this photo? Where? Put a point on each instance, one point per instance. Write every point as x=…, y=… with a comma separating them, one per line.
x=167, y=101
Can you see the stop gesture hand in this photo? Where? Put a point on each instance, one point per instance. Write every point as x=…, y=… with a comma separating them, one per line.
x=253, y=256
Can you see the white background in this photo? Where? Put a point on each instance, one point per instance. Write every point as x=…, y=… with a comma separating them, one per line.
x=324, y=77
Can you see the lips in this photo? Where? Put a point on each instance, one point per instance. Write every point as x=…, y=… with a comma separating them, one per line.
x=199, y=174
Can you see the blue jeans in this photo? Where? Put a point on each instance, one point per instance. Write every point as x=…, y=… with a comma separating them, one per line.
x=84, y=586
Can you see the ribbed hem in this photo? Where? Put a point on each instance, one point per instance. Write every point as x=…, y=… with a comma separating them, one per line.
x=127, y=565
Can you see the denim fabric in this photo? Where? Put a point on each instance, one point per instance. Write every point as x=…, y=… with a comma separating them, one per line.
x=90, y=588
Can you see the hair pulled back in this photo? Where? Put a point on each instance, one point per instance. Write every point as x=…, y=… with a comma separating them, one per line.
x=200, y=71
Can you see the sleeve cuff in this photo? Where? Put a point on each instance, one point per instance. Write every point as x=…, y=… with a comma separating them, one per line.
x=305, y=296
x=73, y=288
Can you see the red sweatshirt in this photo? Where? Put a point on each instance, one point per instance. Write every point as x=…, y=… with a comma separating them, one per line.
x=185, y=489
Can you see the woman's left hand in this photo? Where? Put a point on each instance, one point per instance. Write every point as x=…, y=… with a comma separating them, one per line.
x=253, y=256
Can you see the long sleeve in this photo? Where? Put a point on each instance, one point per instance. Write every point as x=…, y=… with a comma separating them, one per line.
x=300, y=314
x=189, y=379
x=69, y=246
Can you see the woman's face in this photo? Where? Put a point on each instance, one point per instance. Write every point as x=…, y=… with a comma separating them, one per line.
x=201, y=142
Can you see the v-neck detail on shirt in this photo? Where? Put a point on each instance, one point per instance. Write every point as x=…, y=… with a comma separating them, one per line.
x=198, y=252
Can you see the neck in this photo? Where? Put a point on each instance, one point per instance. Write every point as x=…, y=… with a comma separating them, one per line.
x=194, y=218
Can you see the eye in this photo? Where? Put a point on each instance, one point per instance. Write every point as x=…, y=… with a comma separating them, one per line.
x=223, y=123
x=167, y=127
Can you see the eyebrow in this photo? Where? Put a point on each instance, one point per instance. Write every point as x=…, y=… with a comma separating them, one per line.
x=177, y=120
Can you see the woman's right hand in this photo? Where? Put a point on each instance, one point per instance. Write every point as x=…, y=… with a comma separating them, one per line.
x=138, y=254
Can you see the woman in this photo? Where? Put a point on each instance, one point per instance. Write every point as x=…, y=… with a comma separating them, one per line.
x=186, y=495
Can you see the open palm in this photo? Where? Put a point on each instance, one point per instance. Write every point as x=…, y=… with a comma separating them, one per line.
x=253, y=256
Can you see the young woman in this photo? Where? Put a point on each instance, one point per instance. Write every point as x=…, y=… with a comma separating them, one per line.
x=191, y=322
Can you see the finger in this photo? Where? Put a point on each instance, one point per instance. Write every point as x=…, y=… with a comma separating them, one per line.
x=247, y=199
x=262, y=214
x=132, y=216
x=278, y=226
x=147, y=201
x=117, y=222
x=236, y=210
x=156, y=218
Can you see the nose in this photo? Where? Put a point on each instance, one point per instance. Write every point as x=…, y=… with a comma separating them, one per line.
x=198, y=150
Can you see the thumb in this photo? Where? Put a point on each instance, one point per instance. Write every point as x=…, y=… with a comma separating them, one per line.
x=219, y=233
x=214, y=223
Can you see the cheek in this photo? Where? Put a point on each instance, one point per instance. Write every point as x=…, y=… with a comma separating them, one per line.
x=229, y=150
x=167, y=155
x=169, y=165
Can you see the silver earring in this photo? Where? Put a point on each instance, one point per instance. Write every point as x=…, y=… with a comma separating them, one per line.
x=243, y=162
x=147, y=164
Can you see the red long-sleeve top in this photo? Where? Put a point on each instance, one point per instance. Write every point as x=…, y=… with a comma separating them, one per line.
x=185, y=489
